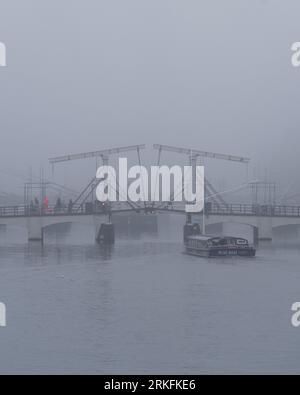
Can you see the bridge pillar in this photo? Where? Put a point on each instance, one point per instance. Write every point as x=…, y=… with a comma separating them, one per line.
x=35, y=229
x=104, y=232
x=255, y=236
x=265, y=229
x=106, y=235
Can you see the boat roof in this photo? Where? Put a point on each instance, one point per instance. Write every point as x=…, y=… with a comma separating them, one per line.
x=204, y=237
x=210, y=237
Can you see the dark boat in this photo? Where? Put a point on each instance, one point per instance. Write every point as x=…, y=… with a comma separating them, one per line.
x=212, y=246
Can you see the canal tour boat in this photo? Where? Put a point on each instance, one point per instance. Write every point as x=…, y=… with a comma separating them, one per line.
x=213, y=246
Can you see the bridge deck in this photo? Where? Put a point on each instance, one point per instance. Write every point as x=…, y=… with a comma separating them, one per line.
x=211, y=209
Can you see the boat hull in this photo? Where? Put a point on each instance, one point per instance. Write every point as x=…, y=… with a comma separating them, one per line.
x=221, y=252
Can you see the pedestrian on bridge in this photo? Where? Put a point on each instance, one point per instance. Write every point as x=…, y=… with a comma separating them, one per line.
x=58, y=205
x=36, y=206
x=70, y=206
x=45, y=205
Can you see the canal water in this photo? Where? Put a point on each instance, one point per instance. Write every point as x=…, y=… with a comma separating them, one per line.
x=144, y=307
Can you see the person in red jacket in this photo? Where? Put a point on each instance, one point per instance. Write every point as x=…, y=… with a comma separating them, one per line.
x=45, y=204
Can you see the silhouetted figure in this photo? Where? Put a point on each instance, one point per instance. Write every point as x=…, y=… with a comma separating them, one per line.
x=36, y=206
x=58, y=205
x=45, y=204
x=70, y=206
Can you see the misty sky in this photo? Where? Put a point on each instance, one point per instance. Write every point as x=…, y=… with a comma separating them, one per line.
x=91, y=74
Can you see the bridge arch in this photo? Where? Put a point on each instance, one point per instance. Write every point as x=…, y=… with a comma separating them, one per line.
x=287, y=232
x=55, y=225
x=64, y=231
x=13, y=226
x=11, y=231
x=248, y=230
x=38, y=225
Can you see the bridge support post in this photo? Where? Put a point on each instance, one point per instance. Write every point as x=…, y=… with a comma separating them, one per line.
x=35, y=229
x=255, y=236
x=104, y=232
x=106, y=235
x=265, y=229
x=188, y=218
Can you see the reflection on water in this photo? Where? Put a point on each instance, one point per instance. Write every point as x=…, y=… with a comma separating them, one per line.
x=143, y=306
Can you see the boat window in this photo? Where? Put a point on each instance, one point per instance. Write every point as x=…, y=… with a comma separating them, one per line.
x=241, y=242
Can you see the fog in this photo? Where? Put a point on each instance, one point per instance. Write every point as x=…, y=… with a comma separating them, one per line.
x=93, y=74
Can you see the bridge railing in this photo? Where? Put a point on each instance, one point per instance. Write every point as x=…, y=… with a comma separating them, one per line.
x=34, y=211
x=27, y=211
x=254, y=210
x=12, y=211
x=92, y=208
